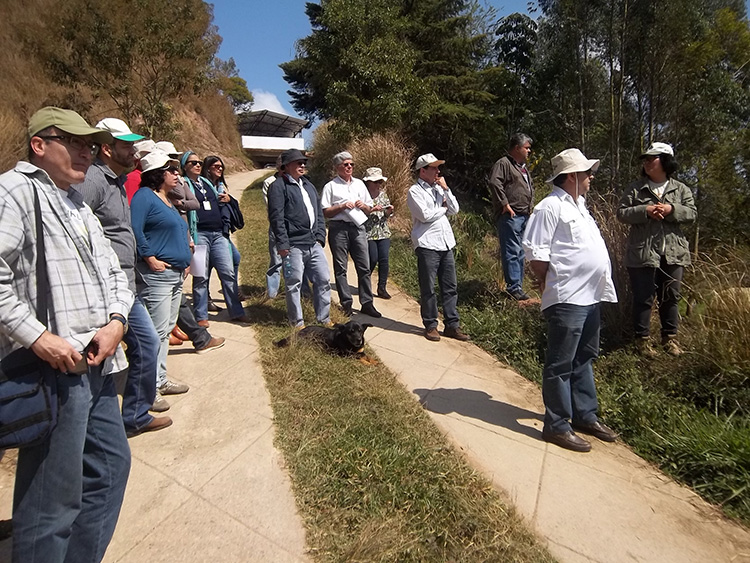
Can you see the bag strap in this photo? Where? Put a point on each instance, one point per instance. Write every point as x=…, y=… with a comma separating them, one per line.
x=42, y=283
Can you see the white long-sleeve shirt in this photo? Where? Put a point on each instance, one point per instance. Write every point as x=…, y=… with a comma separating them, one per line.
x=562, y=232
x=430, y=226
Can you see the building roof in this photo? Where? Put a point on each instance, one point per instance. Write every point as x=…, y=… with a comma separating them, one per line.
x=267, y=123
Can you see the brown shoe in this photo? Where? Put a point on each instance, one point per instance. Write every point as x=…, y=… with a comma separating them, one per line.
x=596, y=429
x=214, y=344
x=157, y=423
x=643, y=345
x=671, y=346
x=243, y=319
x=432, y=334
x=176, y=331
x=174, y=341
x=455, y=332
x=567, y=440
x=204, y=324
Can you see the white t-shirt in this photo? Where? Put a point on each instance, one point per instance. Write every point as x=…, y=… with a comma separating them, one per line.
x=338, y=191
x=658, y=188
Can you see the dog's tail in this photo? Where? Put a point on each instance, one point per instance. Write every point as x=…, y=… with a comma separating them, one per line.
x=283, y=342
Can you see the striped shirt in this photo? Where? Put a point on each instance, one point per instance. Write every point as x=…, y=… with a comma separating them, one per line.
x=86, y=283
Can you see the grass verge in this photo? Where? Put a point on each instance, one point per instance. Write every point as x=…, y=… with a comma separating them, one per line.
x=373, y=477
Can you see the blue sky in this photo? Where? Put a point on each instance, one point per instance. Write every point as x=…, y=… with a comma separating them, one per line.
x=260, y=35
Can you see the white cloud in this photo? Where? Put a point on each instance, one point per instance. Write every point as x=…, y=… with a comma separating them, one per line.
x=267, y=100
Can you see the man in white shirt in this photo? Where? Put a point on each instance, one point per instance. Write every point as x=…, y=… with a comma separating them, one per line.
x=570, y=260
x=346, y=204
x=431, y=201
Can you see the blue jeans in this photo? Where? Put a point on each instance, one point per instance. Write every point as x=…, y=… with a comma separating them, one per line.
x=273, y=274
x=349, y=239
x=311, y=262
x=161, y=293
x=219, y=256
x=198, y=335
x=510, y=232
x=568, y=386
x=440, y=263
x=379, y=251
x=69, y=489
x=143, y=353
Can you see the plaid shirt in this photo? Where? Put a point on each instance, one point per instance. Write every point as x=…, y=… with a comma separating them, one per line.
x=85, y=279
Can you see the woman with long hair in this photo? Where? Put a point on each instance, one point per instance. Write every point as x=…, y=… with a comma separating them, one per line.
x=656, y=206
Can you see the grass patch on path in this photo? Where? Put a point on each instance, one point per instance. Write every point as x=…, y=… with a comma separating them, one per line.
x=373, y=477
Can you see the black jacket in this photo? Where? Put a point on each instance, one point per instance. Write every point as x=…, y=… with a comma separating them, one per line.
x=288, y=217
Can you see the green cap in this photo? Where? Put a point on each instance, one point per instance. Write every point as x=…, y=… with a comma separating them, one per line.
x=68, y=121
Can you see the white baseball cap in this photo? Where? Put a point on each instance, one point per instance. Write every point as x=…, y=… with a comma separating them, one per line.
x=659, y=148
x=119, y=129
x=428, y=159
x=142, y=148
x=571, y=160
x=157, y=159
x=167, y=147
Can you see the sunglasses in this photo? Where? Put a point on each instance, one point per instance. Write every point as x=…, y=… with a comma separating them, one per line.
x=76, y=143
x=193, y=163
x=217, y=166
x=348, y=164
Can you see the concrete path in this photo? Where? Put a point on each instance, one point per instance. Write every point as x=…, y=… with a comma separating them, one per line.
x=606, y=506
x=212, y=487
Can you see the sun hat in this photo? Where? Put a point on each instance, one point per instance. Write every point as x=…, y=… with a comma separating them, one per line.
x=167, y=147
x=119, y=129
x=292, y=155
x=659, y=148
x=428, y=159
x=142, y=148
x=156, y=159
x=571, y=160
x=68, y=121
x=374, y=174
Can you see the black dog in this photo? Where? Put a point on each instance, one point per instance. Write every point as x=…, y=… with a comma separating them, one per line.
x=344, y=340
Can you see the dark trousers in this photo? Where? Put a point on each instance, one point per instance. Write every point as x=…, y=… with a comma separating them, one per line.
x=664, y=283
x=440, y=263
x=186, y=322
x=379, y=251
x=349, y=239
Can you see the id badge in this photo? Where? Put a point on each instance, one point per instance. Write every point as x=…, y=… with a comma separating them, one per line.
x=206, y=205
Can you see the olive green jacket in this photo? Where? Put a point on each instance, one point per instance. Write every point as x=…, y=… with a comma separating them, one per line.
x=650, y=239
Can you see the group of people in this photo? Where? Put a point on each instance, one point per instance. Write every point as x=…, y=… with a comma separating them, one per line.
x=123, y=218
x=570, y=261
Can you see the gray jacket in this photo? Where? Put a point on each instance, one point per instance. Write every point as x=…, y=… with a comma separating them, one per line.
x=650, y=239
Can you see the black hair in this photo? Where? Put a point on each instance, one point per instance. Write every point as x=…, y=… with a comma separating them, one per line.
x=668, y=163
x=559, y=180
x=153, y=178
x=208, y=162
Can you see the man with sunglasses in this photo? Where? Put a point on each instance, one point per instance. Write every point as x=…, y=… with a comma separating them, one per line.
x=296, y=220
x=104, y=192
x=346, y=204
x=69, y=488
x=570, y=261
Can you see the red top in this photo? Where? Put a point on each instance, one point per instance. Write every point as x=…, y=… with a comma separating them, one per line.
x=132, y=183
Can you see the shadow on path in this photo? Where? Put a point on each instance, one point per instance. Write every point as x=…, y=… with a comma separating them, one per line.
x=479, y=405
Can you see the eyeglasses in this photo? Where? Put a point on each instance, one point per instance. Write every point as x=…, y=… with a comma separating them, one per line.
x=76, y=143
x=193, y=163
x=348, y=164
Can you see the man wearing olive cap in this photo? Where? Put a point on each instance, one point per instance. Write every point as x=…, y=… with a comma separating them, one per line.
x=568, y=257
x=69, y=488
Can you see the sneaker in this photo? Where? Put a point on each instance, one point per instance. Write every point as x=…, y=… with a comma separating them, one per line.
x=157, y=423
x=519, y=295
x=370, y=310
x=432, y=334
x=643, y=345
x=213, y=344
x=172, y=388
x=455, y=332
x=160, y=404
x=383, y=294
x=671, y=346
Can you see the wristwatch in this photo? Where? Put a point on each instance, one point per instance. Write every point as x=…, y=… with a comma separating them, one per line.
x=120, y=318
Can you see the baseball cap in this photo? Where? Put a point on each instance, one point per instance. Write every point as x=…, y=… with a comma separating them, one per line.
x=156, y=159
x=659, y=148
x=119, y=129
x=167, y=147
x=428, y=159
x=68, y=121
